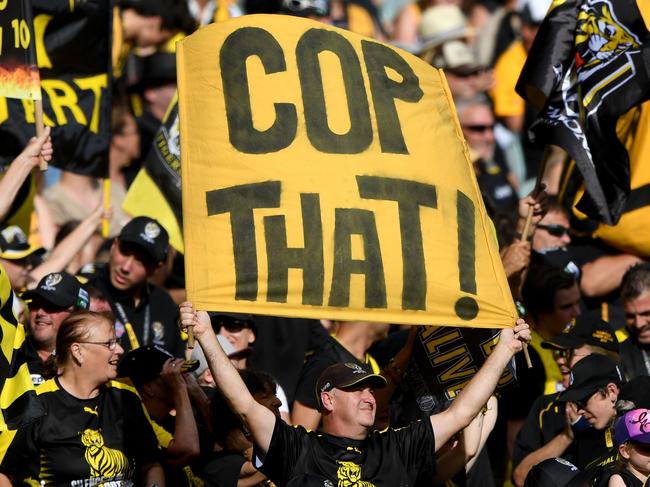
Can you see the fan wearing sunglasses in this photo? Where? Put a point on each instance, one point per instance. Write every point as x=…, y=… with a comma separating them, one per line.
x=552, y=231
x=239, y=330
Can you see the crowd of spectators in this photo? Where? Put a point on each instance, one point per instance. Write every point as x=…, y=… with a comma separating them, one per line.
x=128, y=404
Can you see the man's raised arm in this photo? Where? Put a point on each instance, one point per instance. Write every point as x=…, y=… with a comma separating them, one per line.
x=477, y=392
x=258, y=418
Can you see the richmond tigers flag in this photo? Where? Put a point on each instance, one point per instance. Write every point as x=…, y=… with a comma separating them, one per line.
x=18, y=401
x=73, y=51
x=156, y=190
x=589, y=65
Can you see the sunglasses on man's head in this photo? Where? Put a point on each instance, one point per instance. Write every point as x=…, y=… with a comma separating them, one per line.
x=479, y=128
x=555, y=229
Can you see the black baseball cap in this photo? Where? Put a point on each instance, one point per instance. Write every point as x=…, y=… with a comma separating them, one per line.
x=60, y=289
x=145, y=364
x=14, y=244
x=590, y=374
x=589, y=329
x=553, y=472
x=149, y=235
x=343, y=375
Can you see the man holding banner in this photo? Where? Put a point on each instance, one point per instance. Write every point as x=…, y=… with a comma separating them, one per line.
x=349, y=449
x=326, y=175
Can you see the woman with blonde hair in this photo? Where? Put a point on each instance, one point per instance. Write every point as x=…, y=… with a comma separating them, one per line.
x=95, y=429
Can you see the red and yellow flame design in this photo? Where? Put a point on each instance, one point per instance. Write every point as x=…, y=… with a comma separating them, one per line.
x=20, y=82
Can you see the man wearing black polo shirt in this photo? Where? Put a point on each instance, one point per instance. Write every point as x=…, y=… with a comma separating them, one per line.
x=145, y=314
x=57, y=295
x=349, y=452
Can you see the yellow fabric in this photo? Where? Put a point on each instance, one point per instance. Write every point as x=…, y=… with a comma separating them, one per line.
x=622, y=334
x=164, y=436
x=632, y=233
x=551, y=370
x=644, y=8
x=340, y=183
x=507, y=102
x=23, y=215
x=360, y=21
x=12, y=341
x=144, y=198
x=120, y=48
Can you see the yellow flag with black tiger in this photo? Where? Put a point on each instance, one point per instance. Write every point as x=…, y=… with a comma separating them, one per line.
x=18, y=402
x=325, y=175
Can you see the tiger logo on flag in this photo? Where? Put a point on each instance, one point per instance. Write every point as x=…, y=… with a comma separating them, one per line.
x=602, y=42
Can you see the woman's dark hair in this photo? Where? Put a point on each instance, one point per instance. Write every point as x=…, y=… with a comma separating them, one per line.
x=75, y=328
x=542, y=282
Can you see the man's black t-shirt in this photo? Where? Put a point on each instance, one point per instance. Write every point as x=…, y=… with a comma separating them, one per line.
x=391, y=458
x=80, y=441
x=223, y=470
x=154, y=319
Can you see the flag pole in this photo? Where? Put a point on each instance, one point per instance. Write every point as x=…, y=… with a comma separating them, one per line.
x=529, y=222
x=40, y=127
x=107, y=205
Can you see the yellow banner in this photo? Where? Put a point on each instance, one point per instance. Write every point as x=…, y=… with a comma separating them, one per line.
x=325, y=176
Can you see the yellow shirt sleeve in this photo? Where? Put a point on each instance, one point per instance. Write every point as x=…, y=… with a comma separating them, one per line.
x=507, y=102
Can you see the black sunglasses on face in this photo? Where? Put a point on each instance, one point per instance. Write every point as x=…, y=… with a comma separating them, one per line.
x=235, y=325
x=479, y=128
x=582, y=403
x=555, y=229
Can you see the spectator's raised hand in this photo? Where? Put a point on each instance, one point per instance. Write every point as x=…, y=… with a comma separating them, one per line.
x=171, y=374
x=538, y=200
x=199, y=320
x=513, y=339
x=38, y=147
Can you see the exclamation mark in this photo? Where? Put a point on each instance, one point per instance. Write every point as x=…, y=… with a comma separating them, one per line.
x=466, y=307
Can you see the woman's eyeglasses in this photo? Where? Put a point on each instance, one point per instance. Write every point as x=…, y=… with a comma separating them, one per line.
x=555, y=230
x=110, y=344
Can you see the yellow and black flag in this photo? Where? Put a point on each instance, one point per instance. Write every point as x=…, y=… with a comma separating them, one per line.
x=590, y=64
x=73, y=50
x=19, y=79
x=18, y=402
x=156, y=190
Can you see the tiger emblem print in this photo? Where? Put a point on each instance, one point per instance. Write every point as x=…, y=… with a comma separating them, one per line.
x=349, y=475
x=103, y=461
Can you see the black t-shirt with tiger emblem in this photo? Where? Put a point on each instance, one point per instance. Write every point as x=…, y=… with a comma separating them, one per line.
x=82, y=442
x=391, y=458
